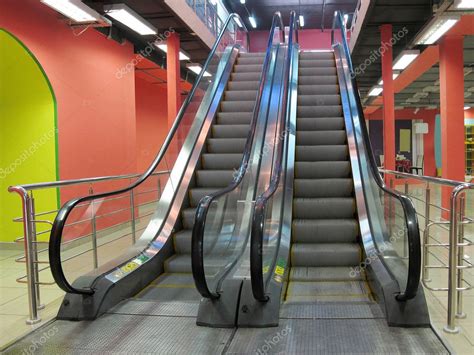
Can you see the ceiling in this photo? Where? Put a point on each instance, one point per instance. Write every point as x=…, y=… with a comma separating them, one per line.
x=317, y=13
x=412, y=14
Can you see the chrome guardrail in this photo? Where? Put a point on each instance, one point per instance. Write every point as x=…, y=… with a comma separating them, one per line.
x=457, y=261
x=30, y=218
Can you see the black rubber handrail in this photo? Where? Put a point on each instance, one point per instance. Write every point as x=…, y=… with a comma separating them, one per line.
x=258, y=222
x=411, y=220
x=197, y=243
x=60, y=220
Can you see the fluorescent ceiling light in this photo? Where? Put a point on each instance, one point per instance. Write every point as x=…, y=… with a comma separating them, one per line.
x=164, y=48
x=346, y=18
x=242, y=2
x=467, y=107
x=464, y=4
x=435, y=30
x=122, y=13
x=237, y=21
x=197, y=68
x=301, y=20
x=252, y=21
x=375, y=91
x=76, y=10
x=405, y=58
x=394, y=76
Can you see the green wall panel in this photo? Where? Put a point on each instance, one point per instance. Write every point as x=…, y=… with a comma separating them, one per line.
x=28, y=133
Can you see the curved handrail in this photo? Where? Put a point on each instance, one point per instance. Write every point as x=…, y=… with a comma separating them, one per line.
x=258, y=223
x=413, y=231
x=60, y=220
x=197, y=243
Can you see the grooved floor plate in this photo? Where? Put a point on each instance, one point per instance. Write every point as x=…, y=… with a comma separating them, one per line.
x=331, y=336
x=177, y=309
x=323, y=310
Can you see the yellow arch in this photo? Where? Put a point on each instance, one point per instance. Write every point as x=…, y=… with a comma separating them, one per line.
x=28, y=132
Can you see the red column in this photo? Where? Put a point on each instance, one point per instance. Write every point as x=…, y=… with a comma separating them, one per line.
x=388, y=98
x=451, y=72
x=173, y=77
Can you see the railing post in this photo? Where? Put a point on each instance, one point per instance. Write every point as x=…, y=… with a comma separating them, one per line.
x=34, y=247
x=132, y=211
x=390, y=209
x=453, y=261
x=405, y=241
x=94, y=232
x=459, y=308
x=426, y=236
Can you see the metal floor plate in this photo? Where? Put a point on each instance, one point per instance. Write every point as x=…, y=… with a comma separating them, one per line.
x=170, y=309
x=326, y=310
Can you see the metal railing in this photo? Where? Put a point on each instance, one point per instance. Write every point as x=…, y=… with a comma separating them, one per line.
x=31, y=218
x=454, y=225
x=207, y=12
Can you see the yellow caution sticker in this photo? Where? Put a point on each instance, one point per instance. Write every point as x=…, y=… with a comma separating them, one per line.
x=279, y=270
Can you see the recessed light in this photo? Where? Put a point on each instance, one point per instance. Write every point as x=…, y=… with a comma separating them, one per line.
x=122, y=13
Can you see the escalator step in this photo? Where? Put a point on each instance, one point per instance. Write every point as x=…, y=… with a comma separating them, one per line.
x=221, y=161
x=234, y=118
x=250, y=60
x=214, y=178
x=316, y=55
x=318, y=89
x=325, y=254
x=322, y=169
x=320, y=111
x=323, y=187
x=244, y=76
x=335, y=273
x=324, y=230
x=196, y=194
x=336, y=291
x=307, y=71
x=242, y=85
x=251, y=54
x=314, y=80
x=317, y=63
x=187, y=217
x=319, y=100
x=182, y=241
x=323, y=208
x=248, y=68
x=320, y=137
x=322, y=153
x=226, y=145
x=240, y=95
x=320, y=123
x=238, y=106
x=230, y=131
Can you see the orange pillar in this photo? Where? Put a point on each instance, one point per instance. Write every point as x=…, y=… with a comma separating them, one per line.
x=173, y=77
x=451, y=72
x=388, y=98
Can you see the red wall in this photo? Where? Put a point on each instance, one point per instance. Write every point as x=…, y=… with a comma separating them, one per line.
x=96, y=109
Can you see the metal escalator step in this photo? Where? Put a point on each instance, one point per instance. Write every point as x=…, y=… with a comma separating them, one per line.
x=320, y=137
x=354, y=291
x=230, y=131
x=306, y=70
x=323, y=273
x=197, y=193
x=237, y=106
x=322, y=170
x=187, y=217
x=320, y=111
x=323, y=187
x=324, y=230
x=240, y=95
x=325, y=254
x=251, y=54
x=324, y=208
x=320, y=123
x=248, y=68
x=181, y=263
x=250, y=60
x=319, y=100
x=234, y=118
x=244, y=76
x=171, y=287
x=318, y=89
x=322, y=153
x=316, y=55
x=213, y=161
x=318, y=79
x=242, y=85
x=226, y=145
x=214, y=178
x=182, y=241
x=317, y=63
